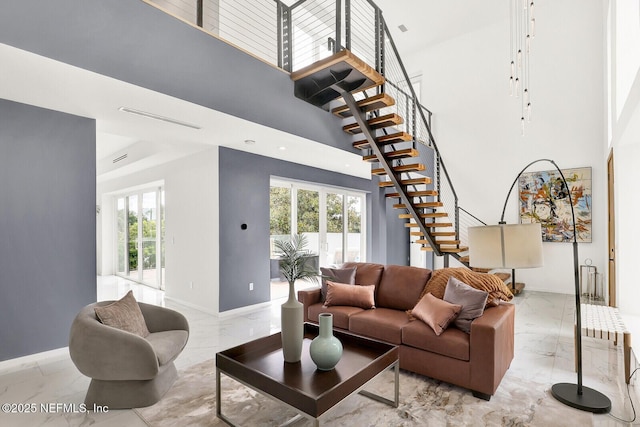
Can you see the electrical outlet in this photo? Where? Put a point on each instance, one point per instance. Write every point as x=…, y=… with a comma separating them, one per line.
x=190, y=285
x=251, y=286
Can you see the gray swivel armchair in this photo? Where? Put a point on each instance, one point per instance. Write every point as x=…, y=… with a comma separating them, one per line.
x=127, y=370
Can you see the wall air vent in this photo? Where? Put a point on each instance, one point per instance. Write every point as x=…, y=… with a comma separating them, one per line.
x=118, y=159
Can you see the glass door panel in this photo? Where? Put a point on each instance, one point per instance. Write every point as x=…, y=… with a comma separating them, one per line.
x=149, y=217
x=355, y=236
x=335, y=229
x=279, y=218
x=308, y=219
x=121, y=236
x=132, y=204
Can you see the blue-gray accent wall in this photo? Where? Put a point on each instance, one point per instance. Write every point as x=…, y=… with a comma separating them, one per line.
x=47, y=226
x=137, y=43
x=244, y=199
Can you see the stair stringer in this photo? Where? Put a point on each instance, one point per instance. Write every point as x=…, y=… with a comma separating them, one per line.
x=393, y=177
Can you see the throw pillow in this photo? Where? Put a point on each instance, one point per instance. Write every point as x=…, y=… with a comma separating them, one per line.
x=124, y=314
x=472, y=301
x=350, y=295
x=339, y=275
x=435, y=312
x=497, y=289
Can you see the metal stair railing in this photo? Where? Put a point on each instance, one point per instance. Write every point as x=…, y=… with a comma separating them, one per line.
x=292, y=37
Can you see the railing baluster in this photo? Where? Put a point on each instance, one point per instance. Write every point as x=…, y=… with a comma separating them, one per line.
x=347, y=23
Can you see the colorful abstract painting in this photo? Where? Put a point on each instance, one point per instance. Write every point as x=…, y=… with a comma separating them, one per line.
x=544, y=199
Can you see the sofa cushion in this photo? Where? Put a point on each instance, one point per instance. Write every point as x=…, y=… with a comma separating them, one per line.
x=352, y=295
x=340, y=313
x=497, y=289
x=123, y=314
x=366, y=273
x=435, y=312
x=472, y=302
x=167, y=344
x=451, y=343
x=401, y=286
x=339, y=275
x=382, y=323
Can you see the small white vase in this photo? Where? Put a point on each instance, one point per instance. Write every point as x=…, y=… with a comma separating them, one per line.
x=292, y=327
x=325, y=349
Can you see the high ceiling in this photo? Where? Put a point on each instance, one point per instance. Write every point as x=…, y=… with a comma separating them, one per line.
x=433, y=21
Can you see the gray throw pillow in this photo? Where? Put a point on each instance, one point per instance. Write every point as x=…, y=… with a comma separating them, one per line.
x=124, y=314
x=472, y=301
x=339, y=275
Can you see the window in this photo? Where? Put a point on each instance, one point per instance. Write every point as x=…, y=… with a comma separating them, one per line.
x=140, y=237
x=333, y=219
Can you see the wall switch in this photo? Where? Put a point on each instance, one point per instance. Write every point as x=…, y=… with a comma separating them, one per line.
x=251, y=286
x=190, y=285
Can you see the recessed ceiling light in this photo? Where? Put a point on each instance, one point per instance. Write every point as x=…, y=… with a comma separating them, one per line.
x=346, y=165
x=158, y=117
x=249, y=141
x=403, y=28
x=283, y=148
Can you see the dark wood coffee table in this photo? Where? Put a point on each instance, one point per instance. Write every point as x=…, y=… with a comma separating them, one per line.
x=259, y=364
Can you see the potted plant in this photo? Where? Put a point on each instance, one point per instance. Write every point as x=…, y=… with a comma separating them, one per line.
x=293, y=257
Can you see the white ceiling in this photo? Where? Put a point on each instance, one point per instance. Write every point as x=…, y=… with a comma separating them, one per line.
x=46, y=83
x=432, y=21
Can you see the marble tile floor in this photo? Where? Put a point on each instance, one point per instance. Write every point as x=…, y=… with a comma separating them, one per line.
x=543, y=353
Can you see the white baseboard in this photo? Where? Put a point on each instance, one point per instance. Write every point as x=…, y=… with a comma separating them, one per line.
x=190, y=305
x=10, y=364
x=243, y=310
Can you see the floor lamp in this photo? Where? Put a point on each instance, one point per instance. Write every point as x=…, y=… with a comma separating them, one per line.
x=520, y=246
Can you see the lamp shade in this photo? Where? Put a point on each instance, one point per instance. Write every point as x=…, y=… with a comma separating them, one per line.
x=506, y=246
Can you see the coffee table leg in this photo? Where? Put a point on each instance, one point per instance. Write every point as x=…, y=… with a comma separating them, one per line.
x=219, y=401
x=396, y=391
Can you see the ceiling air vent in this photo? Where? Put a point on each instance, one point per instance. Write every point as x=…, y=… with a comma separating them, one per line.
x=118, y=159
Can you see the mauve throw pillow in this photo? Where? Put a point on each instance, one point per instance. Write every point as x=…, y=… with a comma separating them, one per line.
x=472, y=301
x=124, y=314
x=337, y=275
x=350, y=295
x=435, y=312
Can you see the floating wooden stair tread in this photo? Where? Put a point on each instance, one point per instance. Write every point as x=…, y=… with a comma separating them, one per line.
x=413, y=181
x=423, y=205
x=421, y=193
x=397, y=154
x=443, y=233
x=464, y=259
x=415, y=167
x=368, y=104
x=426, y=248
x=454, y=250
x=426, y=215
x=324, y=80
x=375, y=123
x=429, y=224
x=448, y=242
x=392, y=138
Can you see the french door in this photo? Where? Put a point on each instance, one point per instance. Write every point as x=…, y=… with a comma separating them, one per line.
x=332, y=219
x=140, y=237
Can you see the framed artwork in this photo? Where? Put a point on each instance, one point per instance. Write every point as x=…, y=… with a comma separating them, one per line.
x=544, y=199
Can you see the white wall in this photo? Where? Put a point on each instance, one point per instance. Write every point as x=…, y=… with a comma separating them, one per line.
x=191, y=226
x=477, y=124
x=625, y=143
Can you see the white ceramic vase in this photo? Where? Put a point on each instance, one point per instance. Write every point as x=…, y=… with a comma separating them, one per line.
x=325, y=349
x=292, y=327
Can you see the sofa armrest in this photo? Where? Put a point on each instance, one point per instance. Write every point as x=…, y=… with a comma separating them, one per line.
x=106, y=353
x=491, y=347
x=160, y=319
x=308, y=297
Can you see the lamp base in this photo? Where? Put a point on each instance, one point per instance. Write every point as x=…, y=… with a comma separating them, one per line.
x=590, y=400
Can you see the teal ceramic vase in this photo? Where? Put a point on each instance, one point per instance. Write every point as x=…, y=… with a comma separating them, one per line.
x=325, y=349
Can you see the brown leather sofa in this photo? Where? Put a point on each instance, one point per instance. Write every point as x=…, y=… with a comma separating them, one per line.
x=476, y=361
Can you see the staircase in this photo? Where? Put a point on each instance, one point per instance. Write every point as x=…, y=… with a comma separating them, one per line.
x=342, y=84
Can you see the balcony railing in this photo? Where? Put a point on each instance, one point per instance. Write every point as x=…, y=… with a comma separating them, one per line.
x=295, y=34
